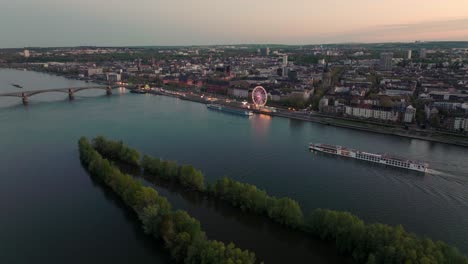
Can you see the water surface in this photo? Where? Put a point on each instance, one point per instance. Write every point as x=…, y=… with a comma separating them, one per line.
x=49, y=203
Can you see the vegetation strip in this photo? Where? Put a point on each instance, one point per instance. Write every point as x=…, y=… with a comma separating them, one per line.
x=181, y=233
x=366, y=243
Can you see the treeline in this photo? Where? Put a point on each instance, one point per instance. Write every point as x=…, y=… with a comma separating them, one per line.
x=248, y=197
x=186, y=175
x=181, y=233
x=366, y=243
x=116, y=150
x=378, y=243
x=282, y=210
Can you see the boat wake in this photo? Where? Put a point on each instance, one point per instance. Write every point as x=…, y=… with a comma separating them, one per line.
x=447, y=176
x=437, y=173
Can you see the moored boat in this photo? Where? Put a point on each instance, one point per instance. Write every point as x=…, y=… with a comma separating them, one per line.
x=227, y=109
x=138, y=91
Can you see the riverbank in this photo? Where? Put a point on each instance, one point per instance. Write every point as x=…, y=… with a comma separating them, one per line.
x=373, y=127
x=362, y=125
x=443, y=138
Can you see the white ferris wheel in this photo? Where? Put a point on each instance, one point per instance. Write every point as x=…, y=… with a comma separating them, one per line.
x=259, y=96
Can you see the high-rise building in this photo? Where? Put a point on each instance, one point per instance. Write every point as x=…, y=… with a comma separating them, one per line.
x=423, y=53
x=409, y=54
x=326, y=77
x=26, y=53
x=284, y=72
x=285, y=60
x=386, y=61
x=265, y=51
x=292, y=75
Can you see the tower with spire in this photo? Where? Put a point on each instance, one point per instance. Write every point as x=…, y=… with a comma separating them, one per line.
x=326, y=77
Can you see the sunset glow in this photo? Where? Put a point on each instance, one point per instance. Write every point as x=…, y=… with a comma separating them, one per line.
x=183, y=22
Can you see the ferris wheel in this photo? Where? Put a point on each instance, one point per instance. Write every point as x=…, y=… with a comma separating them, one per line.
x=259, y=96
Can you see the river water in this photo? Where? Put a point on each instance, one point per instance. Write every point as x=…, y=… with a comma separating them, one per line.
x=52, y=211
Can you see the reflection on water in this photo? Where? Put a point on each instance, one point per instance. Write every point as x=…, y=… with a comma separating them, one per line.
x=294, y=123
x=121, y=90
x=248, y=231
x=153, y=246
x=260, y=125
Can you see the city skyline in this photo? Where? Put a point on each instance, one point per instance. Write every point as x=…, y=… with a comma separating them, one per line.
x=207, y=22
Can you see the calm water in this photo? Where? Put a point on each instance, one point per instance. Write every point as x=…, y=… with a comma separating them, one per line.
x=51, y=210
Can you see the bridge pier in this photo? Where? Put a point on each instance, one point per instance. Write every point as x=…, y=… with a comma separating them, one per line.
x=109, y=90
x=25, y=98
x=71, y=94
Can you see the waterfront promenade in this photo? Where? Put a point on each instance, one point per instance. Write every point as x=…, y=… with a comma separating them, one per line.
x=433, y=136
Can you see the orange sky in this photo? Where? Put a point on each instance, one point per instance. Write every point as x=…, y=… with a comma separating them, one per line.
x=182, y=22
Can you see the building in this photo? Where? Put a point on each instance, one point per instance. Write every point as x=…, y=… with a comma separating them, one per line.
x=238, y=92
x=26, y=53
x=292, y=75
x=326, y=78
x=94, y=71
x=423, y=53
x=430, y=111
x=371, y=113
x=342, y=89
x=274, y=95
x=284, y=72
x=460, y=124
x=114, y=77
x=323, y=103
x=132, y=69
x=285, y=60
x=265, y=51
x=397, y=92
x=301, y=94
x=386, y=61
x=410, y=114
x=409, y=54
x=279, y=71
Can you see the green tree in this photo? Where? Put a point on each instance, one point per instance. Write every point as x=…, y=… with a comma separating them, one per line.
x=180, y=232
x=191, y=178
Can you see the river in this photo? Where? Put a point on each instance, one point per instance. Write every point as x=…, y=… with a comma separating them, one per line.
x=53, y=212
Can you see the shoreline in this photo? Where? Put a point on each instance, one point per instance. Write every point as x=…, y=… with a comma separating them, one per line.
x=333, y=121
x=400, y=134
x=385, y=129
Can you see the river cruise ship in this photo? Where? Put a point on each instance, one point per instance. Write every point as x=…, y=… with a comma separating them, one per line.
x=231, y=110
x=371, y=157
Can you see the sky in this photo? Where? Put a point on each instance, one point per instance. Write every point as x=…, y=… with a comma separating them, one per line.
x=46, y=23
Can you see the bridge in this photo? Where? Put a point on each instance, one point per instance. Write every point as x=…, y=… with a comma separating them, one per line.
x=70, y=91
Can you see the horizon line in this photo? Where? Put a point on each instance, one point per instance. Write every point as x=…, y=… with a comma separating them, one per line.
x=243, y=44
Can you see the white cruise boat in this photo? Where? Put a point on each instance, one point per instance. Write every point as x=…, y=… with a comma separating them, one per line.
x=371, y=157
